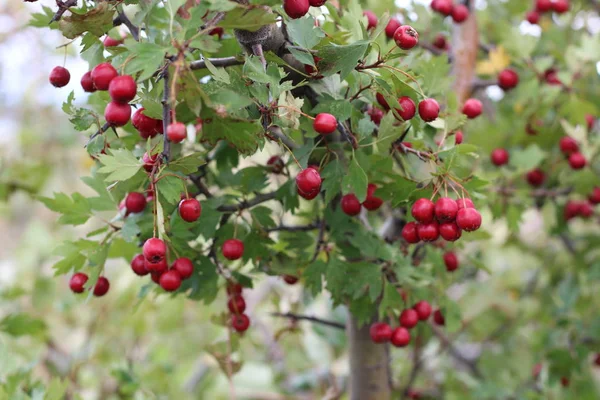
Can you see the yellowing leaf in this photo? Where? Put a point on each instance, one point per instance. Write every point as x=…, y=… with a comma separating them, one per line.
x=497, y=60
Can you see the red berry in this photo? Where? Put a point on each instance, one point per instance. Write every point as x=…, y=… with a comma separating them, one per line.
x=86, y=83
x=371, y=19
x=438, y=317
x=325, y=124
x=429, y=109
x=176, y=132
x=400, y=337
x=380, y=332
x=234, y=288
x=407, y=108
x=391, y=27
x=451, y=261
x=275, y=164
x=543, y=5
x=560, y=6
x=533, y=17
x=537, y=368
x=428, y=231
x=551, y=77
x=372, y=202
x=499, y=157
x=423, y=210
x=308, y=182
x=564, y=381
x=571, y=210
x=240, y=322
x=184, y=267
x=117, y=114
x=508, y=79
x=413, y=394
x=154, y=250
x=135, y=202
x=110, y=42
x=317, y=3
x=102, y=75
x=472, y=108
x=536, y=177
x=568, y=145
x=156, y=277
x=144, y=124
x=290, y=279
x=589, y=119
x=170, y=280
x=350, y=205
x=409, y=318
x=465, y=203
x=149, y=161
x=59, y=77
x=156, y=267
x=446, y=209
x=468, y=219
x=233, y=249
x=77, y=282
x=440, y=42
x=450, y=231
x=597, y=360
x=296, y=8
x=460, y=13
x=409, y=233
x=594, y=197
x=423, y=309
x=101, y=287
x=406, y=37
x=376, y=115
x=122, y=89
x=218, y=31
x=444, y=7
x=137, y=265
x=190, y=210
x=586, y=210
x=382, y=101
x=458, y=137
x=236, y=304
x=577, y=161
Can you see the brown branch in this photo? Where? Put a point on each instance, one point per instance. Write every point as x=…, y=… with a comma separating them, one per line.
x=100, y=131
x=63, y=6
x=431, y=48
x=471, y=365
x=300, y=228
x=482, y=84
x=197, y=181
x=297, y=317
x=242, y=205
x=217, y=62
x=123, y=19
x=320, y=240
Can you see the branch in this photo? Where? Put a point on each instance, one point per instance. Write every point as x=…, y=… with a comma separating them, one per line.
x=166, y=153
x=63, y=6
x=483, y=83
x=242, y=205
x=296, y=317
x=472, y=366
x=319, y=240
x=197, y=180
x=100, y=131
x=123, y=19
x=300, y=228
x=568, y=243
x=217, y=62
x=431, y=48
x=551, y=193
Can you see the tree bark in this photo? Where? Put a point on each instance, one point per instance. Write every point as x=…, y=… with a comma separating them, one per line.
x=465, y=44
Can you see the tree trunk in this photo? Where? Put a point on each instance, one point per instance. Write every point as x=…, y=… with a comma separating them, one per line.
x=465, y=45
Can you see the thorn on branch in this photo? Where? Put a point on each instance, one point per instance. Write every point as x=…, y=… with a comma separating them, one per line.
x=123, y=19
x=297, y=317
x=63, y=6
x=100, y=131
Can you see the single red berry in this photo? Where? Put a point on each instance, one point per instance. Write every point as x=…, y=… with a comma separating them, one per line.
x=460, y=13
x=406, y=37
x=290, y=279
x=110, y=42
x=499, y=157
x=156, y=267
x=458, y=137
x=218, y=31
x=59, y=77
x=409, y=233
x=423, y=210
x=577, y=161
x=423, y=309
x=102, y=75
x=233, y=249
x=296, y=8
x=451, y=261
x=170, y=280
x=446, y=209
x=551, y=77
x=240, y=322
x=391, y=27
x=144, y=124
x=77, y=282
x=468, y=219
x=190, y=210
x=372, y=202
x=376, y=115
x=400, y=337
x=594, y=197
x=444, y=7
x=561, y=6
x=597, y=360
x=537, y=368
x=429, y=109
x=135, y=202
x=450, y=231
x=380, y=332
x=590, y=120
x=101, y=287
x=184, y=267
x=137, y=265
x=440, y=42
x=571, y=209
x=530, y=130
x=325, y=124
x=536, y=177
x=533, y=17
x=465, y=203
x=409, y=318
x=472, y=108
x=543, y=5
x=234, y=288
x=568, y=145
x=236, y=304
x=438, y=317
x=122, y=89
x=413, y=394
x=508, y=79
x=176, y=132
x=351, y=205
x=154, y=250
x=382, y=101
x=316, y=3
x=275, y=164
x=308, y=182
x=149, y=161
x=586, y=210
x=564, y=381
x=407, y=108
x=428, y=231
x=156, y=277
x=117, y=114
x=87, y=83
x=371, y=19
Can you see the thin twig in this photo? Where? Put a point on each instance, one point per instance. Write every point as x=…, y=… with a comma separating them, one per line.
x=320, y=240
x=217, y=62
x=296, y=317
x=63, y=6
x=166, y=153
x=122, y=18
x=299, y=228
x=242, y=205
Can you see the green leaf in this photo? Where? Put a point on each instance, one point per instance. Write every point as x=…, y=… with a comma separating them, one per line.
x=220, y=74
x=342, y=59
x=97, y=21
x=391, y=299
x=243, y=135
x=527, y=159
x=170, y=188
x=262, y=215
x=353, y=280
x=119, y=165
x=75, y=210
x=143, y=57
x=22, y=324
x=332, y=177
x=302, y=31
x=341, y=109
x=104, y=201
x=313, y=276
x=356, y=181
x=249, y=20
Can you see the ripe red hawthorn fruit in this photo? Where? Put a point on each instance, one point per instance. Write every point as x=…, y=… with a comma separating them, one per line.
x=560, y=6
x=577, y=161
x=594, y=197
x=551, y=77
x=376, y=115
x=155, y=276
x=589, y=119
x=110, y=42
x=102, y=75
x=101, y=287
x=317, y=3
x=543, y=5
x=568, y=145
x=400, y=337
x=423, y=309
x=423, y=210
x=499, y=157
x=409, y=318
x=176, y=132
x=428, y=231
x=465, y=203
x=586, y=210
x=440, y=42
x=564, y=381
x=536, y=177
x=407, y=108
x=597, y=360
x=371, y=19
x=154, y=250
x=460, y=13
x=170, y=280
x=413, y=394
x=472, y=108
x=535, y=371
x=122, y=89
x=445, y=209
x=468, y=219
x=184, y=267
x=409, y=233
x=275, y=164
x=325, y=123
x=444, y=7
x=571, y=210
x=308, y=183
x=533, y=17
x=429, y=110
x=59, y=77
x=240, y=322
x=218, y=31
x=144, y=124
x=382, y=101
x=508, y=79
x=236, y=304
x=156, y=267
x=458, y=137
x=137, y=265
x=77, y=282
x=406, y=37
x=149, y=161
x=438, y=317
x=233, y=249
x=86, y=83
x=372, y=202
x=450, y=231
x=350, y=205
x=451, y=261
x=380, y=332
x=135, y=202
x=190, y=210
x=391, y=28
x=117, y=114
x=290, y=279
x=234, y=288
x=296, y=8
x=313, y=71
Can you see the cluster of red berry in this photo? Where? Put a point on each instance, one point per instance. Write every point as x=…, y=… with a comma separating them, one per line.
x=582, y=208
x=545, y=6
x=459, y=12
x=237, y=305
x=79, y=280
x=153, y=261
x=570, y=148
x=351, y=206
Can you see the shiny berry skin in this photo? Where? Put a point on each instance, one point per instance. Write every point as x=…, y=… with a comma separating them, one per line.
x=560, y=6
x=233, y=249
x=499, y=157
x=372, y=202
x=184, y=267
x=308, y=182
x=154, y=250
x=577, y=161
x=472, y=108
x=409, y=318
x=101, y=287
x=440, y=42
x=438, y=317
x=391, y=27
x=290, y=279
x=296, y=8
x=458, y=137
x=77, y=282
x=59, y=77
x=429, y=231
x=400, y=337
x=406, y=37
x=350, y=205
x=468, y=219
x=568, y=145
x=234, y=288
x=450, y=231
x=536, y=177
x=86, y=83
x=409, y=233
x=533, y=17
x=465, y=203
x=170, y=281
x=190, y=210
x=149, y=161
x=451, y=261
x=407, y=108
x=460, y=13
x=508, y=79
x=325, y=124
x=317, y=3
x=429, y=110
x=444, y=7
x=423, y=210
x=445, y=209
x=376, y=115
x=594, y=197
x=137, y=265
x=117, y=114
x=371, y=19
x=423, y=309
x=122, y=89
x=543, y=5
x=176, y=132
x=236, y=304
x=102, y=75
x=382, y=101
x=380, y=332
x=110, y=42
x=308, y=195
x=144, y=124
x=135, y=202
x=156, y=267
x=240, y=322
x=275, y=164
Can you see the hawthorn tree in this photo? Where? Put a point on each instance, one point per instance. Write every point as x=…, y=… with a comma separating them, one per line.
x=392, y=131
